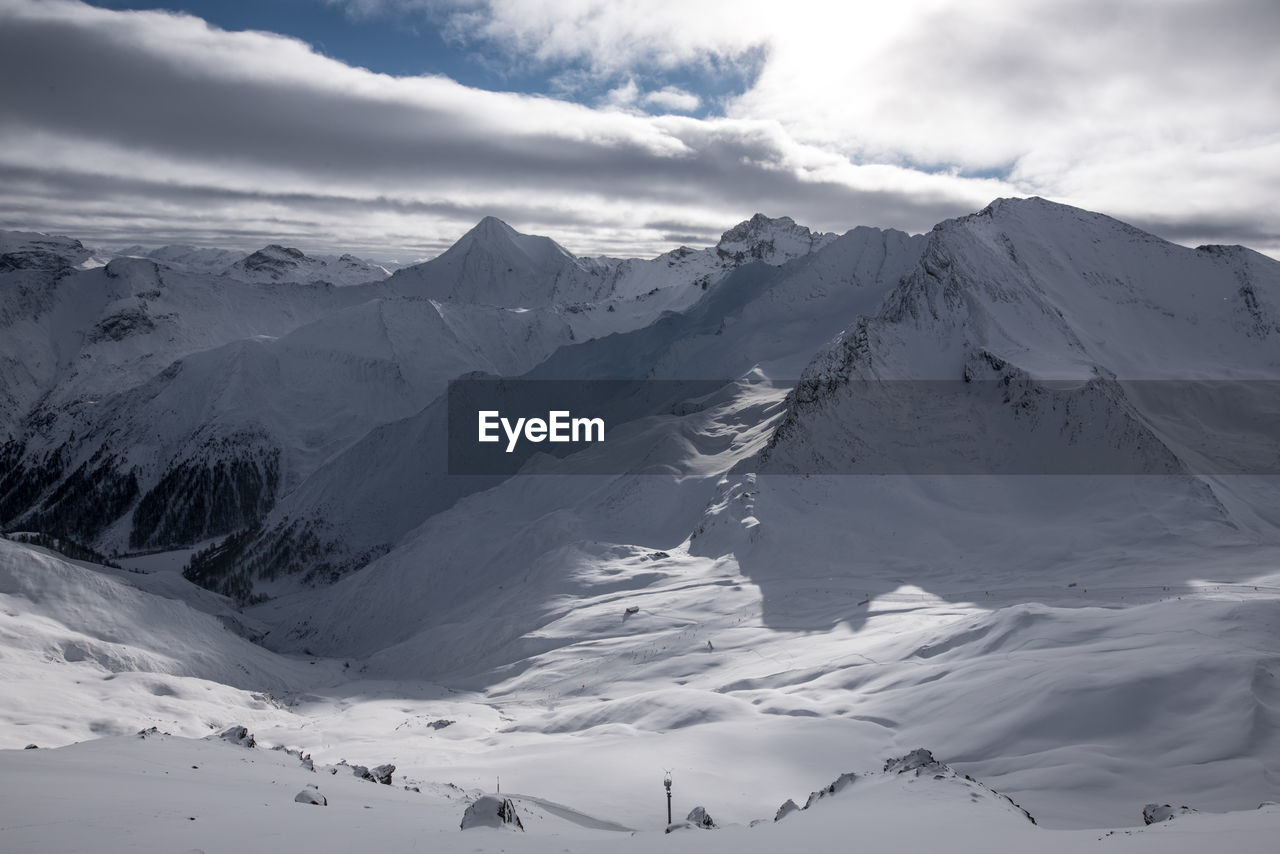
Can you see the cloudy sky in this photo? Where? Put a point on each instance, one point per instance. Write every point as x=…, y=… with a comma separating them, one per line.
x=389, y=127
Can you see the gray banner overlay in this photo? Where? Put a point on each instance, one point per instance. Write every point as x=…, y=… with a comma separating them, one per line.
x=1001, y=426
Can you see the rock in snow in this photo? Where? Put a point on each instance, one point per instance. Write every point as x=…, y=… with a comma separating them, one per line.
x=490, y=811
x=835, y=786
x=238, y=735
x=311, y=795
x=1156, y=813
x=698, y=817
x=919, y=760
x=380, y=774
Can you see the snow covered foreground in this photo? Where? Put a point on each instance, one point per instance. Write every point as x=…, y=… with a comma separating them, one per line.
x=1115, y=697
x=161, y=793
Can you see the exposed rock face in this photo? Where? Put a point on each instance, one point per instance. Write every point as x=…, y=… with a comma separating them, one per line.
x=920, y=761
x=762, y=238
x=381, y=774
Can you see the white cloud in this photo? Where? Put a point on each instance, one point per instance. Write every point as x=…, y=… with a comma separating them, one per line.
x=673, y=99
x=624, y=97
x=669, y=99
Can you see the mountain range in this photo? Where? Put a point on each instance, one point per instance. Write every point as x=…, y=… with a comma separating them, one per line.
x=1006, y=488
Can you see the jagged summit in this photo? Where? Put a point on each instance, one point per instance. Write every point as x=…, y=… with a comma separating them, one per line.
x=771, y=240
x=756, y=226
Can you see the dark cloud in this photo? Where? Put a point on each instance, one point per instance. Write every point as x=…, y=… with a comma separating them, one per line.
x=1221, y=229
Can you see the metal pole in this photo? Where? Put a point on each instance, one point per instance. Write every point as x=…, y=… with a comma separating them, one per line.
x=666, y=781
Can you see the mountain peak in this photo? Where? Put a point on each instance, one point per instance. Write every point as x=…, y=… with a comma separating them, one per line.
x=769, y=239
x=490, y=222
x=275, y=250
x=493, y=264
x=272, y=263
x=277, y=263
x=490, y=228
x=492, y=235
x=758, y=226
x=1053, y=221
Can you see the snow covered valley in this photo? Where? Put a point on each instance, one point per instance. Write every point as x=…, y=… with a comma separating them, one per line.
x=1072, y=648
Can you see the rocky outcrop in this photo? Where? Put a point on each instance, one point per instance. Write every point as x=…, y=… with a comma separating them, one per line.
x=490, y=811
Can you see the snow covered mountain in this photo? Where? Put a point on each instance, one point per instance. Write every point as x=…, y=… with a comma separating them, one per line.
x=32, y=250
x=824, y=564
x=205, y=446
x=1026, y=292
x=759, y=317
x=276, y=263
x=180, y=256
x=273, y=263
x=154, y=406
x=493, y=264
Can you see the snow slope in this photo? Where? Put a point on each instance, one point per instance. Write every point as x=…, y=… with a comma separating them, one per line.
x=114, y=656
x=768, y=740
